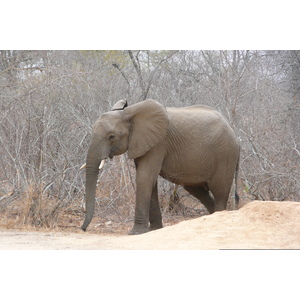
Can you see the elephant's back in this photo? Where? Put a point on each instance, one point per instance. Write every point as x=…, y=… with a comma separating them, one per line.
x=197, y=114
x=199, y=120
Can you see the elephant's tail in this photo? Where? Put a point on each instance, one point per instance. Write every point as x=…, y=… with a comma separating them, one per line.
x=236, y=195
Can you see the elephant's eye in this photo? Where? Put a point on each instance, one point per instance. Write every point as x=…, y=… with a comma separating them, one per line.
x=111, y=137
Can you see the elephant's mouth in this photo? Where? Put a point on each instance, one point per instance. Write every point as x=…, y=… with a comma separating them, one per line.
x=113, y=152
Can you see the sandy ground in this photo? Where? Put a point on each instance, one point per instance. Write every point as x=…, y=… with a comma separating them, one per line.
x=258, y=225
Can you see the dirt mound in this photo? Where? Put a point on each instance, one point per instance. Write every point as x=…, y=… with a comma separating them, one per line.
x=258, y=225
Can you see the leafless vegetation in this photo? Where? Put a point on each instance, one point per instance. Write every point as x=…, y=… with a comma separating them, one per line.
x=50, y=99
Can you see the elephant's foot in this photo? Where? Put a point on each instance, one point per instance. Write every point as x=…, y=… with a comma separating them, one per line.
x=138, y=229
x=155, y=226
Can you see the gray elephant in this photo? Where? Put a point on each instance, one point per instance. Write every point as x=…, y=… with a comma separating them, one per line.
x=191, y=146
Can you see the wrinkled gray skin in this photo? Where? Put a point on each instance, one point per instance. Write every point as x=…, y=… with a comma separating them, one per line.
x=191, y=146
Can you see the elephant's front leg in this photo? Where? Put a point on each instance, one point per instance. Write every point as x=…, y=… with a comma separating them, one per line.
x=155, y=217
x=146, y=208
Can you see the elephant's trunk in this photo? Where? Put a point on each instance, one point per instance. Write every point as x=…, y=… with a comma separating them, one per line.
x=90, y=188
x=92, y=171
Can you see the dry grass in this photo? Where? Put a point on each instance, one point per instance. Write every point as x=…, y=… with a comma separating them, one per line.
x=114, y=211
x=35, y=209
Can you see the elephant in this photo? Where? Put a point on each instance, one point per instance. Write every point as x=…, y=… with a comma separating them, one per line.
x=190, y=146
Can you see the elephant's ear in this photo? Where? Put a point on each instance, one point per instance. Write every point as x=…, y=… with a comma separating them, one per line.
x=120, y=105
x=149, y=125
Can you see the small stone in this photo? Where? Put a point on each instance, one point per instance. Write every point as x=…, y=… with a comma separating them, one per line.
x=108, y=223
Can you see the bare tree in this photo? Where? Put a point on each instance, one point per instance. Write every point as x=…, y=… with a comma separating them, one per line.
x=50, y=100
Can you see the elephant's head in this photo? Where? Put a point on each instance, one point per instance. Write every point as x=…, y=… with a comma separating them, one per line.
x=135, y=129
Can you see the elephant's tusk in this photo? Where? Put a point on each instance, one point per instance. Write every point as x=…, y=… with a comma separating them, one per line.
x=102, y=164
x=100, y=167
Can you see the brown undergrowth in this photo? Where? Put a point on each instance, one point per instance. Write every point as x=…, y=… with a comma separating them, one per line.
x=38, y=207
x=113, y=215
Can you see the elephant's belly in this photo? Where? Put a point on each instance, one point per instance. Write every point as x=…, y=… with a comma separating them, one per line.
x=184, y=171
x=184, y=178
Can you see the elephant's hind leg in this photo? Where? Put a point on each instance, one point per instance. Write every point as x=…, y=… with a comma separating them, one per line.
x=220, y=188
x=221, y=199
x=203, y=195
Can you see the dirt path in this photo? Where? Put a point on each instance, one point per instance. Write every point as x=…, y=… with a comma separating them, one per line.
x=258, y=225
